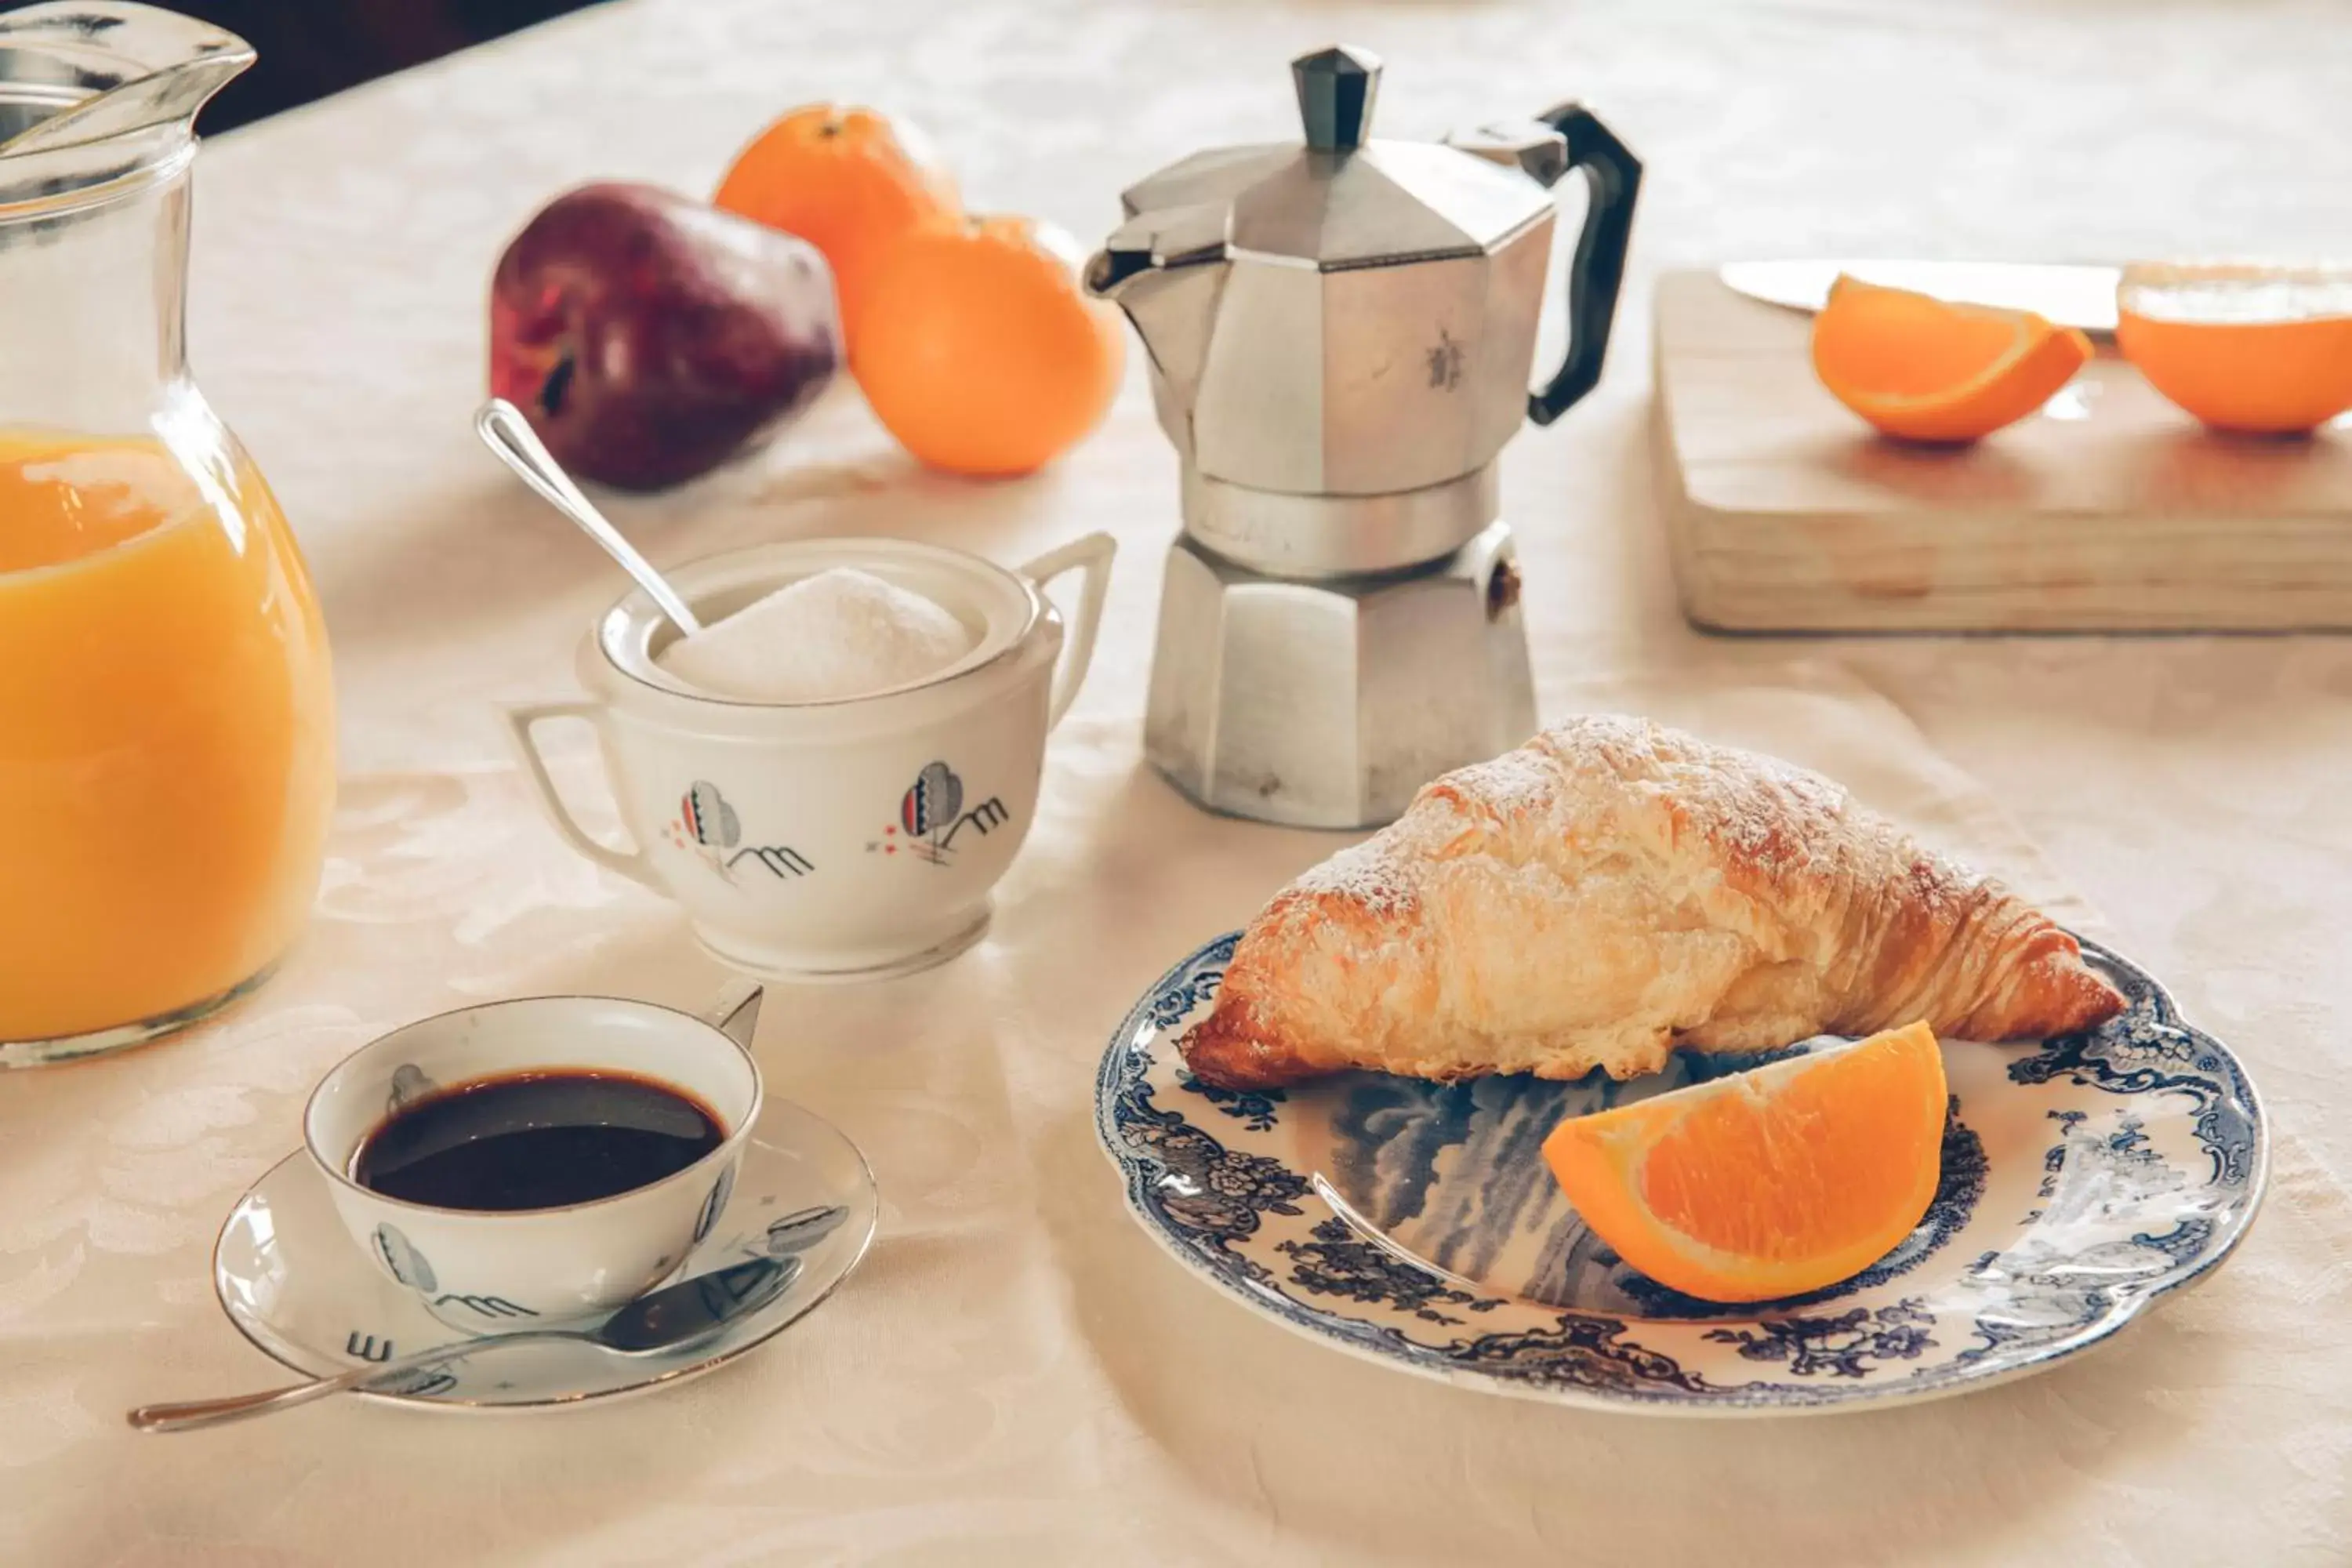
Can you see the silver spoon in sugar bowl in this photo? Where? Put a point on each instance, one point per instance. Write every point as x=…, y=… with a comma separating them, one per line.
x=662, y=1320
x=504, y=431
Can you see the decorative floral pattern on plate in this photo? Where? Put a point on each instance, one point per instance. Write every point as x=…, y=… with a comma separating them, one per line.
x=2083, y=1179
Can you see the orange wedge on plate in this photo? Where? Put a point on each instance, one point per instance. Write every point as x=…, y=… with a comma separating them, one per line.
x=1921, y=368
x=2264, y=349
x=1770, y=1183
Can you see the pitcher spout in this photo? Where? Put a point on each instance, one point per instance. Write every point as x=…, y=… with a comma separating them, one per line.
x=78, y=72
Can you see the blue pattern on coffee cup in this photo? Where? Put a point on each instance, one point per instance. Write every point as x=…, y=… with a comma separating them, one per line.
x=402, y=1261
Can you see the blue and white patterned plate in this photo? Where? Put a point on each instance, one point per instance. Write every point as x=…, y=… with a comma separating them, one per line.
x=2082, y=1180
x=293, y=1282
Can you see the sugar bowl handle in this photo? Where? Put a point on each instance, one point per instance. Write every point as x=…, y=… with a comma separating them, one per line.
x=524, y=719
x=1614, y=176
x=1092, y=555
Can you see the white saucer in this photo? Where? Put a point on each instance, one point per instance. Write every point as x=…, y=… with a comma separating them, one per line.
x=293, y=1282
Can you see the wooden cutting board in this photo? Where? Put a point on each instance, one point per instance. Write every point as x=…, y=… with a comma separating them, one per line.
x=2110, y=511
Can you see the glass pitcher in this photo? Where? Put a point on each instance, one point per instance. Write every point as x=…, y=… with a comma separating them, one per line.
x=166, y=715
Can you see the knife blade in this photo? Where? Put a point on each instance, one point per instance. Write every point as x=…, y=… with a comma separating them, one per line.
x=2071, y=296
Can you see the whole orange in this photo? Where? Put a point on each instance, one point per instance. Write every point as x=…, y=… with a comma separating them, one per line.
x=849, y=181
x=977, y=347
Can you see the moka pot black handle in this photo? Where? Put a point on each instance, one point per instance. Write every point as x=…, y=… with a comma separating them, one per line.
x=1614, y=178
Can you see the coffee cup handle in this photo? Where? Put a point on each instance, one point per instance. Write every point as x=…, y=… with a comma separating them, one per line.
x=522, y=720
x=1091, y=554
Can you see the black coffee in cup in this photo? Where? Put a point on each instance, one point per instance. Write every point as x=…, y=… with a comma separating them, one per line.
x=539, y=1140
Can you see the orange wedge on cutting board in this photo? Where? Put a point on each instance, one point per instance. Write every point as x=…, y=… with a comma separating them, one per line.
x=1926, y=370
x=2253, y=347
x=1770, y=1183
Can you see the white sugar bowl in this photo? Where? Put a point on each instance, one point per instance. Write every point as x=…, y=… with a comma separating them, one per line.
x=850, y=839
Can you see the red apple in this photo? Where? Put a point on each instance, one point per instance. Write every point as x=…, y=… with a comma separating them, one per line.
x=648, y=338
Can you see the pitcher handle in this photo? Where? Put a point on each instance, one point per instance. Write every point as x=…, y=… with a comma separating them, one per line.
x=1614, y=178
x=1093, y=556
x=522, y=720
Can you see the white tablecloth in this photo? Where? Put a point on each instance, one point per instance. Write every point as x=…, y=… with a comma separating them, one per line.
x=1017, y=1375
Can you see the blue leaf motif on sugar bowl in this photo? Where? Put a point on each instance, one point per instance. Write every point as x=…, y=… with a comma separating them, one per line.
x=2083, y=1179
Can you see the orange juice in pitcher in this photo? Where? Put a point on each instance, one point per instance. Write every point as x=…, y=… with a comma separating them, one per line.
x=166, y=715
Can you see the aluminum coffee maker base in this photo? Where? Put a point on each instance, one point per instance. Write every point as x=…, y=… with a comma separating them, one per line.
x=1329, y=703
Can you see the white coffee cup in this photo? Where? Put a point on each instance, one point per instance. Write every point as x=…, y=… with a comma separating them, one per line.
x=492, y=1269
x=848, y=839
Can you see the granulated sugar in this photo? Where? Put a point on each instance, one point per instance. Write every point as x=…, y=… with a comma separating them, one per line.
x=842, y=633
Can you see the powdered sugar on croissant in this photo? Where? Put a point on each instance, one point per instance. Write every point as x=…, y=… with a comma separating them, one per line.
x=1613, y=890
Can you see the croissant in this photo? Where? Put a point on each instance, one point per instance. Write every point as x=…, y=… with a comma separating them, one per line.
x=1613, y=890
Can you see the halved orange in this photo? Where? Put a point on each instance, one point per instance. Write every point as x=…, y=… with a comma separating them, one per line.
x=1926, y=370
x=2242, y=347
x=1770, y=1183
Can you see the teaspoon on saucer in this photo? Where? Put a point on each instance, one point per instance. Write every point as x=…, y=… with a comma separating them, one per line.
x=659, y=1321
x=504, y=431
